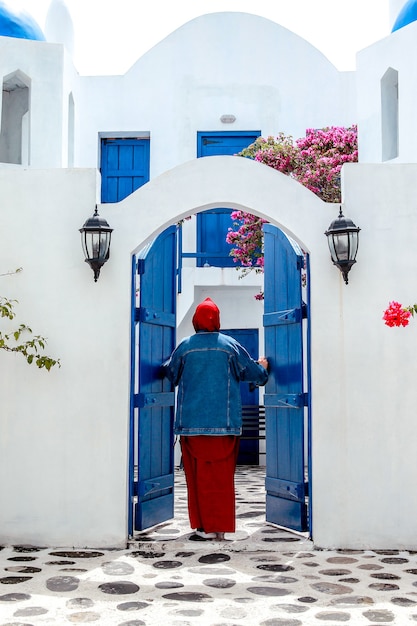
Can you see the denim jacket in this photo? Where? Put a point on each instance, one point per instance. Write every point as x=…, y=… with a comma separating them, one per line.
x=208, y=368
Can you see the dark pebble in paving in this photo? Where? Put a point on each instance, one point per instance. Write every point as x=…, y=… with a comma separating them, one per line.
x=343, y=560
x=80, y=603
x=62, y=583
x=77, y=554
x=290, y=608
x=395, y=560
x=268, y=591
x=23, y=569
x=14, y=597
x=275, y=567
x=328, y=616
x=22, y=558
x=331, y=588
x=350, y=581
x=24, y=548
x=132, y=606
x=167, y=564
x=349, y=601
x=280, y=539
x=119, y=587
x=188, y=596
x=335, y=572
x=307, y=599
x=384, y=587
x=214, y=558
x=379, y=616
x=148, y=555
x=285, y=580
x=385, y=576
x=168, y=584
x=29, y=611
x=403, y=601
x=219, y=583
x=14, y=580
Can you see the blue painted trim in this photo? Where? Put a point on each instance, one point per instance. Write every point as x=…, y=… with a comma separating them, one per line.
x=180, y=256
x=309, y=404
x=131, y=467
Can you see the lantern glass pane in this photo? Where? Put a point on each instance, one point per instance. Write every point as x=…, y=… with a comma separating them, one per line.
x=341, y=244
x=84, y=244
x=353, y=245
x=104, y=245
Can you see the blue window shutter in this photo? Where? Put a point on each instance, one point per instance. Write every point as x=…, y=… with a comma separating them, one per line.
x=124, y=167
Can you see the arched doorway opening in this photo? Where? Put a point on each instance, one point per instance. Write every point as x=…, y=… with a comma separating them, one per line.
x=287, y=397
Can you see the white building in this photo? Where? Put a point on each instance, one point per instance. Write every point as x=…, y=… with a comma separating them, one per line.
x=68, y=438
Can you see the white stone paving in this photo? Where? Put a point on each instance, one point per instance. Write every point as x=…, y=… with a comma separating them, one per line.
x=262, y=575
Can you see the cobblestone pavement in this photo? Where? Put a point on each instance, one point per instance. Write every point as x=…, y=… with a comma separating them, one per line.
x=262, y=575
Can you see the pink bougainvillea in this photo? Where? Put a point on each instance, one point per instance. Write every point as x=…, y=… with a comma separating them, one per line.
x=247, y=239
x=396, y=315
x=314, y=160
x=320, y=157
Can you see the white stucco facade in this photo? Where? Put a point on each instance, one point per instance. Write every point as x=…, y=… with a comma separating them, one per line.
x=64, y=434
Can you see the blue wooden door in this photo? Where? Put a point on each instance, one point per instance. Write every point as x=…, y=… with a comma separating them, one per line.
x=249, y=441
x=152, y=397
x=124, y=167
x=213, y=225
x=286, y=499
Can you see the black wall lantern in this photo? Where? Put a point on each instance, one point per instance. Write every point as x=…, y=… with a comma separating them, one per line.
x=343, y=239
x=95, y=239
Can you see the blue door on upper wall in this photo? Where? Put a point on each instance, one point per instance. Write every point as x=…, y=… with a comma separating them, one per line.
x=124, y=167
x=213, y=225
x=152, y=397
x=285, y=396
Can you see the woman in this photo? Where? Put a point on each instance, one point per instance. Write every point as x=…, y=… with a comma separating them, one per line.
x=208, y=368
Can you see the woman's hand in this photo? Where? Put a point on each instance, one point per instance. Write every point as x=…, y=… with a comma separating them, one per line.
x=263, y=361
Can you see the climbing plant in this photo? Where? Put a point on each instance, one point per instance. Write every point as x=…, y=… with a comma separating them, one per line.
x=314, y=160
x=21, y=340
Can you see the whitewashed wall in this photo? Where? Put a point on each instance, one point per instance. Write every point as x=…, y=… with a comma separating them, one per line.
x=397, y=52
x=364, y=373
x=208, y=68
x=63, y=450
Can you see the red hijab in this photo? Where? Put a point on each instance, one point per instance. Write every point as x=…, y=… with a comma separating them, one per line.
x=207, y=316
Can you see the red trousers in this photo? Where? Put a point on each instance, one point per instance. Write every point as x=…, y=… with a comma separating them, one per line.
x=209, y=465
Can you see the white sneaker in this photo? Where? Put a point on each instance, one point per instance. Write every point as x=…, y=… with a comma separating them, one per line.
x=204, y=535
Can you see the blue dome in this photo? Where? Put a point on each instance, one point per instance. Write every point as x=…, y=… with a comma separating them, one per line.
x=18, y=23
x=407, y=15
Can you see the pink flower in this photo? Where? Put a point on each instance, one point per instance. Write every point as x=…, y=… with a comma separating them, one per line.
x=396, y=315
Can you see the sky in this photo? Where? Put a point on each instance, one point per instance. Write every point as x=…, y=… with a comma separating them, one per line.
x=110, y=36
